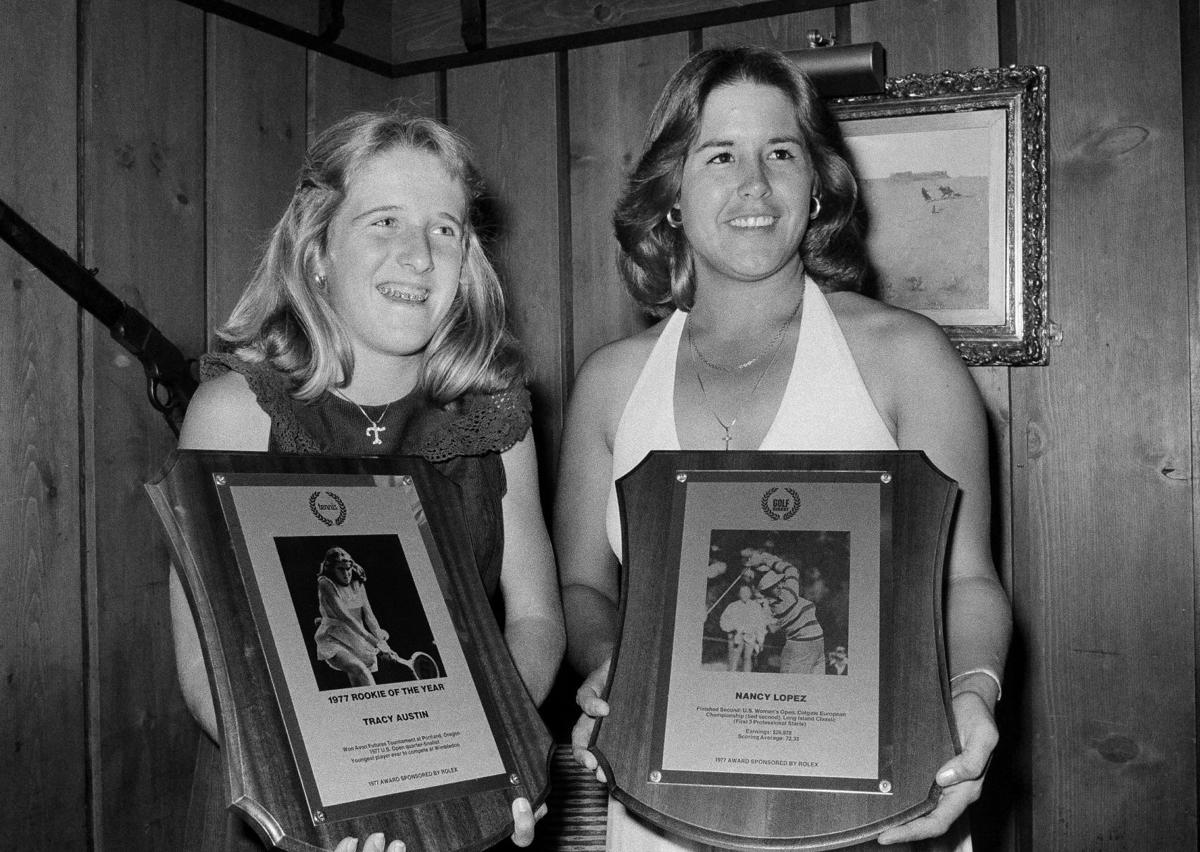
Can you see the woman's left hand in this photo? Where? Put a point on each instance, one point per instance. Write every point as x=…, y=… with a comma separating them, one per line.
x=961, y=777
x=524, y=820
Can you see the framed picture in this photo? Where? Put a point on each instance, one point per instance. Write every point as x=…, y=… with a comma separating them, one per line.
x=951, y=170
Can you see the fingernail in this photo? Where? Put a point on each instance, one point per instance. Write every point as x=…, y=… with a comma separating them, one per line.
x=945, y=777
x=523, y=806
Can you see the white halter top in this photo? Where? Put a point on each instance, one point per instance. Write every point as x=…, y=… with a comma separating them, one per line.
x=824, y=407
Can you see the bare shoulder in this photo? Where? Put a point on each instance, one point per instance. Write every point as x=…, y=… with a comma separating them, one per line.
x=606, y=378
x=892, y=339
x=224, y=415
x=903, y=357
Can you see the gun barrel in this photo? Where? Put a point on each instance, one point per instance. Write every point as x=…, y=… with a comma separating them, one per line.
x=171, y=377
x=59, y=267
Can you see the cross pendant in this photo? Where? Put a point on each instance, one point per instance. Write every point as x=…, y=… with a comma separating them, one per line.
x=373, y=432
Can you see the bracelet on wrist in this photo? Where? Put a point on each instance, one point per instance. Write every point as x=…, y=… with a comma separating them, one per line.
x=959, y=682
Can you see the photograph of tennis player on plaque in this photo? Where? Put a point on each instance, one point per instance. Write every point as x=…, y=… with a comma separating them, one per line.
x=768, y=568
x=350, y=641
x=378, y=697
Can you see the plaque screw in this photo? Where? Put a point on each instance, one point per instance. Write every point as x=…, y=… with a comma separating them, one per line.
x=885, y=478
x=655, y=777
x=219, y=479
x=514, y=778
x=681, y=477
x=885, y=786
x=406, y=480
x=318, y=816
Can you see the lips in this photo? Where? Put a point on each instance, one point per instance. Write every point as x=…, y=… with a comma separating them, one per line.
x=753, y=221
x=403, y=292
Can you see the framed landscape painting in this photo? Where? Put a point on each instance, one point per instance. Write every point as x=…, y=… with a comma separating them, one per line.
x=952, y=178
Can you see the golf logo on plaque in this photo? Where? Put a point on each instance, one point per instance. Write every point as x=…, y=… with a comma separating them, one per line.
x=798, y=694
x=352, y=651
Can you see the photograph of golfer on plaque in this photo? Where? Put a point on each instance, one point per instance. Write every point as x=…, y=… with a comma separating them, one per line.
x=358, y=609
x=778, y=602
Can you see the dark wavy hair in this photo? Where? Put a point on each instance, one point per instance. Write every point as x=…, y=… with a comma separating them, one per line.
x=655, y=259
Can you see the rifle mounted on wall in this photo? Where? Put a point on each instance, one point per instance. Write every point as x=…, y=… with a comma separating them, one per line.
x=171, y=378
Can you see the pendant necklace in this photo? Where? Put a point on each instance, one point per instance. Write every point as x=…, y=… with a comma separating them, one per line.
x=374, y=429
x=777, y=344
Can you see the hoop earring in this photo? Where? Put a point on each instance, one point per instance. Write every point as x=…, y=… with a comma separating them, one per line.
x=815, y=210
x=675, y=217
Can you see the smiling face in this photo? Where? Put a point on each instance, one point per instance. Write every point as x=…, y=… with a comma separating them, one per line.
x=394, y=252
x=746, y=187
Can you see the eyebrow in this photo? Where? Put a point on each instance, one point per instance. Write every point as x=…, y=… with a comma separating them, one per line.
x=726, y=143
x=395, y=208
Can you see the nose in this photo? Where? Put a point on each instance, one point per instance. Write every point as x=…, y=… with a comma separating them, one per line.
x=413, y=250
x=754, y=183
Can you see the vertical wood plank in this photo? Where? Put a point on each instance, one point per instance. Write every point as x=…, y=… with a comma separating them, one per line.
x=1189, y=24
x=256, y=128
x=336, y=89
x=42, y=710
x=993, y=817
x=143, y=227
x=1106, y=591
x=927, y=36
x=517, y=149
x=612, y=90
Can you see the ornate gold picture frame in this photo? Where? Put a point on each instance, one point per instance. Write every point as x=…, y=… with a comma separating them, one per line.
x=952, y=179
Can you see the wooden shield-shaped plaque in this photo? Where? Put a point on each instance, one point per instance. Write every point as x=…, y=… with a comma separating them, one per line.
x=780, y=680
x=360, y=679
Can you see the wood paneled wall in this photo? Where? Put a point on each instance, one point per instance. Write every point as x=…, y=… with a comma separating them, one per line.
x=1104, y=593
x=161, y=144
x=43, y=705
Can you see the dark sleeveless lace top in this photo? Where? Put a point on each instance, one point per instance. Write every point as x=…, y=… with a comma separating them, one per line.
x=464, y=444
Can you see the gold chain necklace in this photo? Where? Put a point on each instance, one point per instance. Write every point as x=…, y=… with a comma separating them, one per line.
x=374, y=429
x=771, y=344
x=778, y=346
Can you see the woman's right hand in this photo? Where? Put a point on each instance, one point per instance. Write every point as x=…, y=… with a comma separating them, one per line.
x=373, y=843
x=593, y=707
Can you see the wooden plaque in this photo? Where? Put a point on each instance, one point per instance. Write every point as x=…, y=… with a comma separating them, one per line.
x=780, y=680
x=433, y=743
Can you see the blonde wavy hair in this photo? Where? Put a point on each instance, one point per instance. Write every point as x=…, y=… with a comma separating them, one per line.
x=284, y=317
